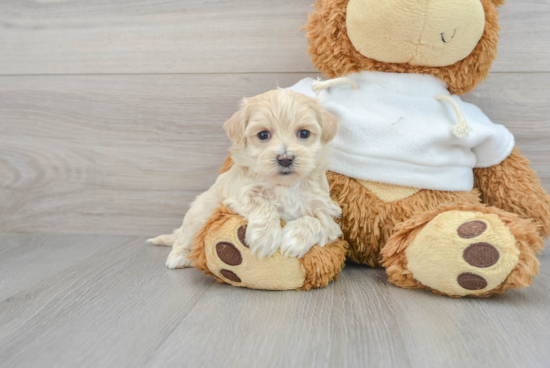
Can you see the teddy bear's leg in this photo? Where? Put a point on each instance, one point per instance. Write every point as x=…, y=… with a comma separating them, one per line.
x=221, y=251
x=463, y=250
x=371, y=211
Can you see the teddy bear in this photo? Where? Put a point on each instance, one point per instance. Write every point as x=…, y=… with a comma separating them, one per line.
x=430, y=188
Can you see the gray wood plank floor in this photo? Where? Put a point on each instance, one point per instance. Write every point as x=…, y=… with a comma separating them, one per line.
x=108, y=301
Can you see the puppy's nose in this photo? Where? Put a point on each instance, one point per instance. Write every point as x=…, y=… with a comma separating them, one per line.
x=285, y=160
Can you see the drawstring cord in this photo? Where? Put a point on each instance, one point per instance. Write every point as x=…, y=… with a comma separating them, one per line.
x=319, y=85
x=462, y=129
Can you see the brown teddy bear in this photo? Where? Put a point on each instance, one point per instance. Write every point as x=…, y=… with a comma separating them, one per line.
x=430, y=188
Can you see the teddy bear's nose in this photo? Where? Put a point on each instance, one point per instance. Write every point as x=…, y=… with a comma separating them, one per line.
x=285, y=160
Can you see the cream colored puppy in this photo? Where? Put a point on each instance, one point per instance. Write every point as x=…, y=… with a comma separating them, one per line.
x=279, y=173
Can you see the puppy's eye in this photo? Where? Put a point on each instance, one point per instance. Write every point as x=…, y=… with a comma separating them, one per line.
x=304, y=134
x=264, y=135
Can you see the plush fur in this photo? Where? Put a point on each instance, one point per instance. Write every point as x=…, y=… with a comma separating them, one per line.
x=379, y=231
x=321, y=265
x=525, y=232
x=367, y=222
x=515, y=187
x=261, y=189
x=333, y=53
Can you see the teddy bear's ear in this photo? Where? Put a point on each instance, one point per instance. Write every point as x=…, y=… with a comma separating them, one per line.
x=236, y=125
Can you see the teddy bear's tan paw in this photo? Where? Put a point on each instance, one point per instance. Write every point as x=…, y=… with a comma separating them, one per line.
x=220, y=249
x=229, y=257
x=463, y=253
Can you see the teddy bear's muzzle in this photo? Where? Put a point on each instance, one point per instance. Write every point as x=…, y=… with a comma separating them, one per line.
x=418, y=32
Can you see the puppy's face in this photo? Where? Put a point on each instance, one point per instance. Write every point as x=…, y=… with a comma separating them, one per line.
x=279, y=134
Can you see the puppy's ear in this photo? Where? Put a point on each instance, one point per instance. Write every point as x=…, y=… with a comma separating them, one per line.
x=236, y=125
x=329, y=126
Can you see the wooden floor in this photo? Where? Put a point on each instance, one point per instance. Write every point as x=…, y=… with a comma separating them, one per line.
x=110, y=124
x=107, y=301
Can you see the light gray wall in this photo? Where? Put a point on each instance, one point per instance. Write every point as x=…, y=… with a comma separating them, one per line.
x=111, y=111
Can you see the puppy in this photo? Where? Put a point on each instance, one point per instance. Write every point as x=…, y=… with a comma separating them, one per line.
x=280, y=160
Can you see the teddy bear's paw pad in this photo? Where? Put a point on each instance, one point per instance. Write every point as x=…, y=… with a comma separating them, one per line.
x=471, y=229
x=229, y=258
x=481, y=255
x=230, y=276
x=471, y=281
x=241, y=234
x=229, y=254
x=463, y=253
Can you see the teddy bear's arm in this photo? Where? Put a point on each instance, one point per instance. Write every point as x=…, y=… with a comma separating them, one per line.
x=515, y=187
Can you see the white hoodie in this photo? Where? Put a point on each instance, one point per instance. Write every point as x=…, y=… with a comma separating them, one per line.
x=393, y=130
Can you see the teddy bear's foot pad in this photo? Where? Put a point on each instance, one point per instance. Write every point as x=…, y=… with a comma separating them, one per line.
x=463, y=253
x=220, y=250
x=229, y=258
x=230, y=276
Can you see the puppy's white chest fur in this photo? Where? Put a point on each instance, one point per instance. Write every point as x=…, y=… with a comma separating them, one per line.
x=291, y=203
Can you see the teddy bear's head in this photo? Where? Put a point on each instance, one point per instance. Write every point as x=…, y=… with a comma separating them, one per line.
x=454, y=40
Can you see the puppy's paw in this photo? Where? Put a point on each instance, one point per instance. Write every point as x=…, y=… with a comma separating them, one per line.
x=178, y=260
x=333, y=232
x=297, y=240
x=263, y=237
